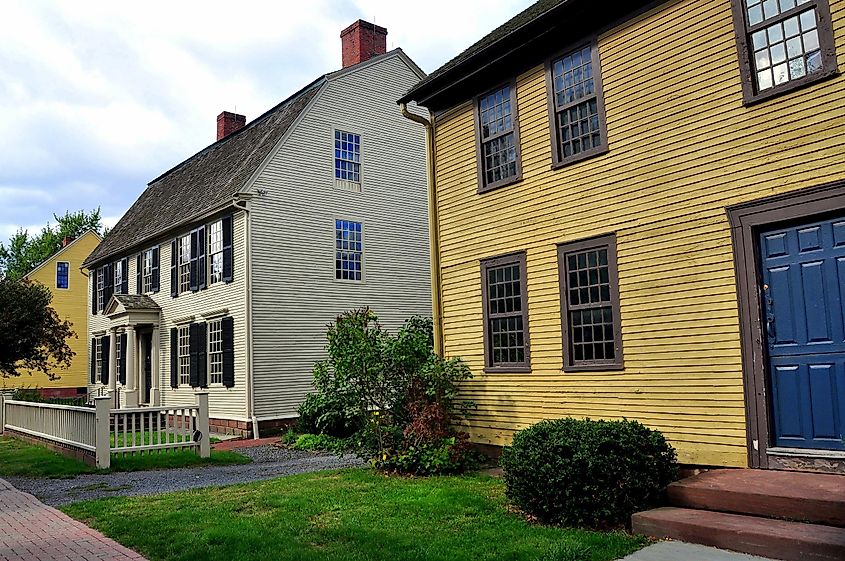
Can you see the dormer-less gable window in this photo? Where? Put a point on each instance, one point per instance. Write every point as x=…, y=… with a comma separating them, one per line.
x=62, y=276
x=576, y=106
x=783, y=45
x=347, y=159
x=497, y=138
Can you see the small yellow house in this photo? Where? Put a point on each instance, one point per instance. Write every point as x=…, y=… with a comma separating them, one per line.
x=63, y=275
x=638, y=211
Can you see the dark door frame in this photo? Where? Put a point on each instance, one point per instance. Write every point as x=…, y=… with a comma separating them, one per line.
x=746, y=220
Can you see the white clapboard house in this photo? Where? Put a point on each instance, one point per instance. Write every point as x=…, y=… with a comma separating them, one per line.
x=225, y=272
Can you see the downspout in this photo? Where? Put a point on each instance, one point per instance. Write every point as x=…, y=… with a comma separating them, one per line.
x=433, y=227
x=243, y=202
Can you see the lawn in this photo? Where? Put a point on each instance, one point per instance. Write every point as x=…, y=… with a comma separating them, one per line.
x=350, y=515
x=19, y=458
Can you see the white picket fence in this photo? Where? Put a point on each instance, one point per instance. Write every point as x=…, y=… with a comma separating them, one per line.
x=101, y=431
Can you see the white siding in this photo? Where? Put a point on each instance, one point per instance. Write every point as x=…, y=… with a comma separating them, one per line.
x=225, y=403
x=295, y=294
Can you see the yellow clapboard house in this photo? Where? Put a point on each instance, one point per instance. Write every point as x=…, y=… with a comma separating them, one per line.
x=638, y=211
x=68, y=283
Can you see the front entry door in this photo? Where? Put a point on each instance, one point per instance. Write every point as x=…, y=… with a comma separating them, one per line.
x=803, y=295
x=148, y=365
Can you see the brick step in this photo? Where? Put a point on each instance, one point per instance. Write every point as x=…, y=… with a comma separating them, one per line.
x=777, y=539
x=806, y=497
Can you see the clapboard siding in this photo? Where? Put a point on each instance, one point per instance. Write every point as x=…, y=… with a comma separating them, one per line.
x=294, y=292
x=682, y=148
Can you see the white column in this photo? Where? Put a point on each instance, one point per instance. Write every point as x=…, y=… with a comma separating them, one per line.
x=155, y=392
x=131, y=392
x=114, y=367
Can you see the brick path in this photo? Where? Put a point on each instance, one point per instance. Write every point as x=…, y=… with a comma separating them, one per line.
x=245, y=443
x=33, y=531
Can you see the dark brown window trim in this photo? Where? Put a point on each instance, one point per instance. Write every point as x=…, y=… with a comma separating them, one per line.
x=826, y=41
x=609, y=241
x=490, y=262
x=479, y=156
x=557, y=162
x=746, y=219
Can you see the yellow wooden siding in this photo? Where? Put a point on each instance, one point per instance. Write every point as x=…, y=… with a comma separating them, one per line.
x=71, y=305
x=682, y=148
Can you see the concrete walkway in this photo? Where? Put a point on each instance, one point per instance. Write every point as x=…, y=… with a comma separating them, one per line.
x=31, y=530
x=679, y=551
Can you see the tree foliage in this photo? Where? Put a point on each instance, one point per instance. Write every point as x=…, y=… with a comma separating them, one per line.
x=24, y=252
x=32, y=336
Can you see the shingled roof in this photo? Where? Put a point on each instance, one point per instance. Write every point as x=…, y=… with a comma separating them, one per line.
x=204, y=182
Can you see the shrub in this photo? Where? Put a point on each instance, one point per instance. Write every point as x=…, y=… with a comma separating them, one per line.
x=320, y=442
x=587, y=473
x=327, y=413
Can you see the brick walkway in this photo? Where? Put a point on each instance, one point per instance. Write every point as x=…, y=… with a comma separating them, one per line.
x=33, y=531
x=245, y=443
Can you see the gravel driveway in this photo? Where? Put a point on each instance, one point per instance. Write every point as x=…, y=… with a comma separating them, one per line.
x=268, y=462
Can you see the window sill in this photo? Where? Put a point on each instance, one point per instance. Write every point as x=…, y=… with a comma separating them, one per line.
x=750, y=99
x=499, y=185
x=594, y=368
x=507, y=369
x=592, y=153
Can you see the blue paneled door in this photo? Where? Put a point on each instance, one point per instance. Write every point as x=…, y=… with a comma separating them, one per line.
x=803, y=297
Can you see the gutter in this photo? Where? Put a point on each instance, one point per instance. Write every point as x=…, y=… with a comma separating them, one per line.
x=242, y=202
x=433, y=227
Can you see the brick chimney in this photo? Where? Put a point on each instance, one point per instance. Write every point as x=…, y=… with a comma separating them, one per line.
x=66, y=241
x=227, y=123
x=361, y=41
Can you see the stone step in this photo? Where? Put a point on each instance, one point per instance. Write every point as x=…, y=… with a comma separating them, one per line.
x=806, y=497
x=777, y=539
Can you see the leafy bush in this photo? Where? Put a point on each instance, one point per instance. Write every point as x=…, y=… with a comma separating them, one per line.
x=327, y=413
x=321, y=442
x=587, y=473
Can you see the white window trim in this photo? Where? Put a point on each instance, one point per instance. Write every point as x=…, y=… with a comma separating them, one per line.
x=100, y=281
x=183, y=287
x=363, y=252
x=98, y=360
x=209, y=255
x=219, y=322
x=147, y=267
x=186, y=329
x=352, y=186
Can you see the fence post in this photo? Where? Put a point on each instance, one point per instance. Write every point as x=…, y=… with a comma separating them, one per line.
x=202, y=424
x=102, y=438
x=2, y=413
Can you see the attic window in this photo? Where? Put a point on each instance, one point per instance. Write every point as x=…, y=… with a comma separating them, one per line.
x=347, y=159
x=62, y=274
x=497, y=138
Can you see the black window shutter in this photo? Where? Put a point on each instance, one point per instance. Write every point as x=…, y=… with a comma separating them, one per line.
x=108, y=283
x=174, y=357
x=121, y=368
x=195, y=344
x=124, y=285
x=227, y=248
x=93, y=274
x=106, y=343
x=201, y=244
x=228, y=335
x=139, y=281
x=156, y=279
x=194, y=254
x=174, y=277
x=202, y=364
x=93, y=360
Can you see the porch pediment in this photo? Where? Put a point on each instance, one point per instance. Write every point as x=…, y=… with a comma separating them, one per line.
x=137, y=308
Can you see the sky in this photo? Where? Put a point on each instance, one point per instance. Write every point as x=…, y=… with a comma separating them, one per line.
x=99, y=98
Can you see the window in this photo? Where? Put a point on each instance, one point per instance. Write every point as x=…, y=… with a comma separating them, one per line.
x=505, y=314
x=576, y=106
x=215, y=352
x=101, y=288
x=347, y=156
x=590, y=305
x=62, y=274
x=118, y=276
x=147, y=271
x=185, y=263
x=215, y=252
x=184, y=355
x=118, y=351
x=98, y=358
x=348, y=250
x=783, y=44
x=498, y=138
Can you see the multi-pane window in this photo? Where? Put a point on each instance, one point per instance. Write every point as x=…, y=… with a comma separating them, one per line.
x=101, y=287
x=184, y=355
x=505, y=313
x=62, y=278
x=215, y=352
x=348, y=250
x=590, y=303
x=498, y=138
x=578, y=121
x=147, y=271
x=98, y=358
x=215, y=252
x=347, y=156
x=786, y=43
x=185, y=263
x=118, y=276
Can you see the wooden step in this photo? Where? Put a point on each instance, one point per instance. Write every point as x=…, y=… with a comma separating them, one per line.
x=777, y=539
x=807, y=497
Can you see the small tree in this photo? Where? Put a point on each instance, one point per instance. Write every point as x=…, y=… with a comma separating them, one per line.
x=32, y=336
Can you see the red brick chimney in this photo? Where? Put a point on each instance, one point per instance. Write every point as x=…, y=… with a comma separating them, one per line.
x=227, y=123
x=361, y=41
x=66, y=241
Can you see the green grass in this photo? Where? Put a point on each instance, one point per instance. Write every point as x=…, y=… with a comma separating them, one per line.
x=19, y=458
x=350, y=515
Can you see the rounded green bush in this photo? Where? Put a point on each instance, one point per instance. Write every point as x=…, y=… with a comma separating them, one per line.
x=587, y=473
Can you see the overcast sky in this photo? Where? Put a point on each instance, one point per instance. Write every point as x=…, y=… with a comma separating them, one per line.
x=98, y=98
